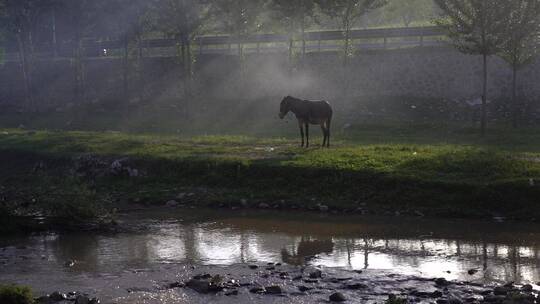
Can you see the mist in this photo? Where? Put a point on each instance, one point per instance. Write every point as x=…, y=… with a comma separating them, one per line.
x=269, y=151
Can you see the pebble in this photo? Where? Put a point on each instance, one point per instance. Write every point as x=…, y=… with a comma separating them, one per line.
x=274, y=289
x=337, y=297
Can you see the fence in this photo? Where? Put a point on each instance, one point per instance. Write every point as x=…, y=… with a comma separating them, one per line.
x=316, y=41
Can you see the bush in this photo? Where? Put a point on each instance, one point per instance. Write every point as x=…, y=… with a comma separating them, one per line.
x=13, y=294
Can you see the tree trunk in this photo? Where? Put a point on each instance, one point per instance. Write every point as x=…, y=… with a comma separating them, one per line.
x=23, y=56
x=125, y=71
x=80, y=90
x=347, y=43
x=515, y=106
x=291, y=50
x=54, y=39
x=303, y=40
x=484, y=96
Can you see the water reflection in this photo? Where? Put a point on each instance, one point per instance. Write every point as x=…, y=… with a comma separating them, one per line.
x=499, y=252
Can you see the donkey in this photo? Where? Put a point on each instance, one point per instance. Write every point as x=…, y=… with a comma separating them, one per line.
x=309, y=112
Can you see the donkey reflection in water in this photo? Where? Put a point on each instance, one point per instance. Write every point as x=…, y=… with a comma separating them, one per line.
x=309, y=112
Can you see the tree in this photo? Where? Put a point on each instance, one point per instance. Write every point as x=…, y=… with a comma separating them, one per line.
x=182, y=20
x=82, y=15
x=128, y=22
x=409, y=11
x=521, y=42
x=348, y=13
x=294, y=16
x=476, y=27
x=18, y=18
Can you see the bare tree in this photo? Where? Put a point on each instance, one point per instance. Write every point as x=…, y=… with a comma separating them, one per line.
x=294, y=16
x=521, y=42
x=348, y=13
x=18, y=18
x=476, y=27
x=238, y=18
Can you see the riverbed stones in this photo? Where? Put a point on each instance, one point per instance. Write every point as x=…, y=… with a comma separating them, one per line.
x=274, y=289
x=323, y=208
x=304, y=288
x=441, y=282
x=82, y=299
x=199, y=286
x=337, y=297
x=253, y=266
x=263, y=206
x=501, y=290
x=315, y=274
x=57, y=296
x=258, y=290
x=527, y=288
x=355, y=286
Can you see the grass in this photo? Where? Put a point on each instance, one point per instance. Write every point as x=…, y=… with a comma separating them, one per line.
x=454, y=174
x=13, y=294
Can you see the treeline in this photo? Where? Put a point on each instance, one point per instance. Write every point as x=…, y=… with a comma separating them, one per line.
x=53, y=23
x=509, y=29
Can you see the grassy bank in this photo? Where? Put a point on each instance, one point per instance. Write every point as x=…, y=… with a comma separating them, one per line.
x=71, y=174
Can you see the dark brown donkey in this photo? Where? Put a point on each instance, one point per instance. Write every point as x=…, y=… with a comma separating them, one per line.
x=309, y=112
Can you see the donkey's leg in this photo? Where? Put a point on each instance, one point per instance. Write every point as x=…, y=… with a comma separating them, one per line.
x=301, y=125
x=328, y=132
x=323, y=128
x=307, y=135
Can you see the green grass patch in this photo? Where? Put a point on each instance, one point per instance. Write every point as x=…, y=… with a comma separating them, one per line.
x=13, y=294
x=453, y=178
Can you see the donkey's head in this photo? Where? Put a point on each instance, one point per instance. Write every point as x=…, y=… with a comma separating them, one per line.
x=285, y=106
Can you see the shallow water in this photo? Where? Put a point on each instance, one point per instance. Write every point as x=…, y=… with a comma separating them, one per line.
x=170, y=240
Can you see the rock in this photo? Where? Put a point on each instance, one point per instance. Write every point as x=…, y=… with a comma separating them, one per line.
x=258, y=290
x=527, y=288
x=323, y=208
x=57, y=296
x=180, y=195
x=418, y=213
x=199, y=286
x=501, y=290
x=82, y=300
x=441, y=282
x=303, y=288
x=274, y=289
x=94, y=301
x=253, y=266
x=172, y=203
x=355, y=286
x=315, y=274
x=270, y=268
x=264, y=206
x=232, y=293
x=311, y=281
x=69, y=263
x=297, y=278
x=493, y=299
x=244, y=202
x=43, y=300
x=205, y=276
x=337, y=297
x=472, y=271
x=176, y=285
x=454, y=299
x=436, y=294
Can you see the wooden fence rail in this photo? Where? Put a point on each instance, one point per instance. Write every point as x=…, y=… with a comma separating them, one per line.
x=316, y=40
